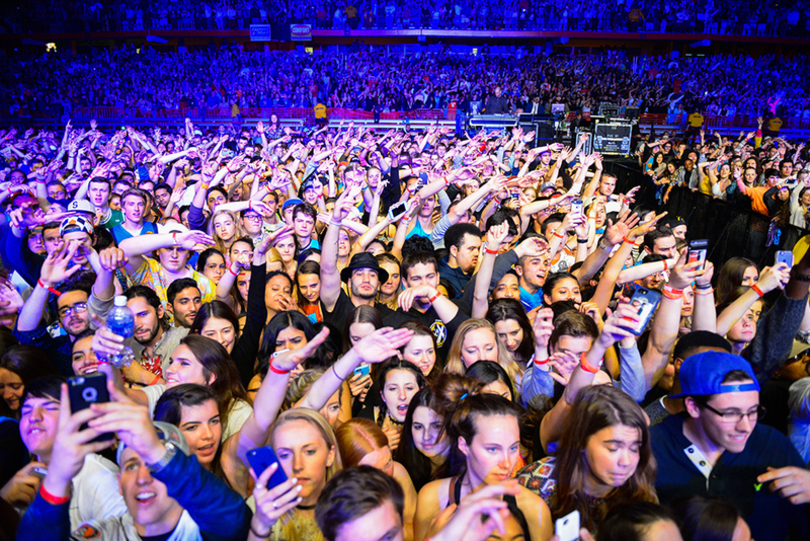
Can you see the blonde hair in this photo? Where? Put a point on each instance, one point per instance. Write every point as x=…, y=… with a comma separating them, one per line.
x=238, y=231
x=456, y=366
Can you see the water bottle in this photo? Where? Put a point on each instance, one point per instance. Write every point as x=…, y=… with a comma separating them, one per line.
x=121, y=321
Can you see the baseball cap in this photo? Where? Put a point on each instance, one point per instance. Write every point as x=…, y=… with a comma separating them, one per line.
x=81, y=205
x=702, y=374
x=290, y=202
x=171, y=227
x=76, y=223
x=166, y=432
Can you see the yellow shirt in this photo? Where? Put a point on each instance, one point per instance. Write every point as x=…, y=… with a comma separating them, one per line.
x=696, y=120
x=151, y=275
x=320, y=111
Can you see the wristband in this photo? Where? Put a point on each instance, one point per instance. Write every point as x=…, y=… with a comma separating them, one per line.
x=49, y=288
x=446, y=182
x=493, y=252
x=157, y=378
x=758, y=290
x=707, y=286
x=794, y=273
x=537, y=361
x=50, y=498
x=672, y=293
x=558, y=235
x=230, y=269
x=628, y=241
x=174, y=238
x=275, y=370
x=333, y=222
x=249, y=203
x=432, y=299
x=665, y=265
x=704, y=291
x=586, y=366
x=582, y=241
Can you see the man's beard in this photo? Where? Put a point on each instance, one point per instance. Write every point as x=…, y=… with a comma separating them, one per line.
x=357, y=293
x=151, y=336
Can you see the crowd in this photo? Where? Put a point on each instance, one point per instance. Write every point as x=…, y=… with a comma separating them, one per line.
x=142, y=80
x=348, y=334
x=710, y=16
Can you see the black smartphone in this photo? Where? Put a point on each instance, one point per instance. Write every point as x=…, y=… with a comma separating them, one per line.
x=645, y=301
x=262, y=458
x=86, y=390
x=698, y=250
x=397, y=211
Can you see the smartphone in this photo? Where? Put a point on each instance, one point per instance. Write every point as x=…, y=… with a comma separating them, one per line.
x=645, y=301
x=698, y=249
x=86, y=390
x=262, y=458
x=567, y=528
x=397, y=211
x=362, y=370
x=39, y=472
x=784, y=256
x=576, y=206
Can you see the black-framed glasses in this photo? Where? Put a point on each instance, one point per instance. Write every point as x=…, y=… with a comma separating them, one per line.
x=253, y=217
x=734, y=416
x=78, y=308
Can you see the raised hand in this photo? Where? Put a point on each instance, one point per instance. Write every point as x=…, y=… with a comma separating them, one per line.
x=543, y=327
x=614, y=233
x=55, y=267
x=192, y=240
x=289, y=359
x=382, y=344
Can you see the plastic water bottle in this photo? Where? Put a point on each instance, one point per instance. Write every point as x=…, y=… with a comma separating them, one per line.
x=121, y=321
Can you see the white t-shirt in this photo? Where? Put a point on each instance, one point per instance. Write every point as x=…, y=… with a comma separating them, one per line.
x=123, y=529
x=96, y=494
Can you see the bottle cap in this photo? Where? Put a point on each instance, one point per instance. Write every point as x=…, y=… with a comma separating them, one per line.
x=120, y=300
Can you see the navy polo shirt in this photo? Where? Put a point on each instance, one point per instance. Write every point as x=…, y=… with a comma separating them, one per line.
x=733, y=478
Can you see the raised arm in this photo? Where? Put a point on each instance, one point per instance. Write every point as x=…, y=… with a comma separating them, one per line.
x=330, y=277
x=495, y=237
x=135, y=247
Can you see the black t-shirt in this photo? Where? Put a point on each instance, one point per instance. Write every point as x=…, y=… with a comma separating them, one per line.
x=444, y=333
x=343, y=309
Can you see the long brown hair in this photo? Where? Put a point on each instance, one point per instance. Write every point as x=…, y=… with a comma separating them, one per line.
x=215, y=361
x=597, y=407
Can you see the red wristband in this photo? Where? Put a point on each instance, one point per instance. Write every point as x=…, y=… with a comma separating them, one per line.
x=559, y=236
x=665, y=265
x=157, y=378
x=249, y=203
x=52, y=290
x=628, y=241
x=758, y=290
x=275, y=370
x=434, y=297
x=586, y=366
x=230, y=269
x=493, y=252
x=50, y=498
x=174, y=238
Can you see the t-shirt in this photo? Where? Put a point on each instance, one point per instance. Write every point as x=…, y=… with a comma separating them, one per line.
x=120, y=234
x=443, y=333
x=123, y=529
x=696, y=120
x=113, y=218
x=682, y=470
x=343, y=309
x=320, y=111
x=96, y=494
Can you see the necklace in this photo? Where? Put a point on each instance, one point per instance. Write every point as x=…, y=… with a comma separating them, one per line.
x=305, y=507
x=393, y=422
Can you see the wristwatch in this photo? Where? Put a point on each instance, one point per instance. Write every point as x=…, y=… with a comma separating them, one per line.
x=167, y=457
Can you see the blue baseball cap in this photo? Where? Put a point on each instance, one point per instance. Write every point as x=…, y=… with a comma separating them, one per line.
x=290, y=202
x=702, y=374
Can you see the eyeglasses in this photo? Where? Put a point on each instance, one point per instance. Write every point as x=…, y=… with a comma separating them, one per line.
x=78, y=308
x=734, y=417
x=253, y=217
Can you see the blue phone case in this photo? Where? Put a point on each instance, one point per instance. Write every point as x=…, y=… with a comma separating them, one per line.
x=262, y=458
x=646, y=300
